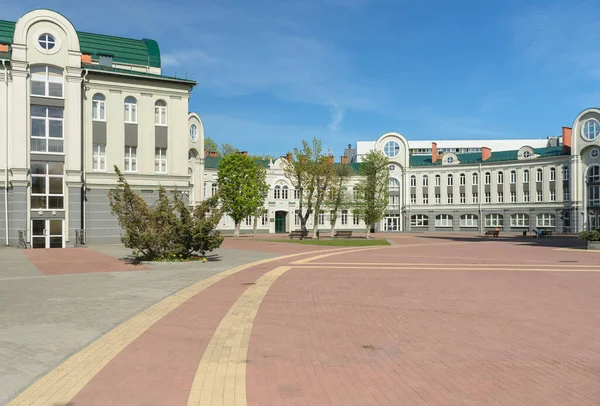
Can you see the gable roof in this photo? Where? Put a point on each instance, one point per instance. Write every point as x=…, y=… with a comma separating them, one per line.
x=144, y=52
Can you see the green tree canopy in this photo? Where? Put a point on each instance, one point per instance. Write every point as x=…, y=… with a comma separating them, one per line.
x=242, y=187
x=210, y=145
x=372, y=188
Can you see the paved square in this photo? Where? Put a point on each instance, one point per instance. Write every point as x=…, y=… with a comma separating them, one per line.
x=430, y=320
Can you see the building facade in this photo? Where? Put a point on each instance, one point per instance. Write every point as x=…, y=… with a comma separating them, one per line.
x=73, y=106
x=464, y=185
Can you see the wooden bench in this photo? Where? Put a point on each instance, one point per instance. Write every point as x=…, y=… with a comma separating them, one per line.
x=298, y=234
x=494, y=233
x=343, y=234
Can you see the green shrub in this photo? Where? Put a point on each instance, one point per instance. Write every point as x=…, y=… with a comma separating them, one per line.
x=168, y=229
x=592, y=235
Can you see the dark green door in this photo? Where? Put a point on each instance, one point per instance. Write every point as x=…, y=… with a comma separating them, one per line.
x=280, y=222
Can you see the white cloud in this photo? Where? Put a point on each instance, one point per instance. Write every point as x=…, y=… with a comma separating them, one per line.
x=337, y=115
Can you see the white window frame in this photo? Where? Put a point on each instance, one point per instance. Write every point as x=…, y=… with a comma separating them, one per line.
x=99, y=107
x=296, y=194
x=425, y=198
x=214, y=188
x=425, y=180
x=488, y=197
x=513, y=177
x=438, y=198
x=565, y=172
x=160, y=160
x=130, y=110
x=552, y=195
x=539, y=175
x=438, y=180
x=450, y=198
x=488, y=178
x=539, y=196
x=47, y=138
x=160, y=113
x=450, y=179
x=284, y=192
x=526, y=176
x=463, y=198
x=545, y=220
x=494, y=220
x=469, y=220
x=99, y=157
x=248, y=221
x=500, y=197
x=47, y=195
x=526, y=197
x=47, y=79
x=344, y=217
x=321, y=218
x=475, y=197
x=264, y=219
x=513, y=197
x=519, y=220
x=443, y=220
x=355, y=219
x=475, y=178
x=130, y=159
x=413, y=199
x=277, y=192
x=566, y=195
x=500, y=178
x=552, y=174
x=462, y=179
x=413, y=181
x=419, y=220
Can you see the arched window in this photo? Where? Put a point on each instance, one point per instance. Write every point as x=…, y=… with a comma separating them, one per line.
x=462, y=179
x=450, y=180
x=519, y=220
x=394, y=184
x=130, y=110
x=214, y=189
x=468, y=220
x=46, y=81
x=475, y=178
x=494, y=220
x=591, y=129
x=419, y=220
x=99, y=107
x=593, y=186
x=526, y=176
x=539, y=175
x=160, y=112
x=284, y=192
x=277, y=192
x=546, y=220
x=593, y=174
x=438, y=180
x=192, y=154
x=425, y=180
x=513, y=176
x=413, y=180
x=193, y=133
x=443, y=220
x=552, y=174
x=488, y=178
x=500, y=177
x=565, y=172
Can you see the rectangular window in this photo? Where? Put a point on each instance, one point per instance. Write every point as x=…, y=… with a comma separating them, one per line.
x=298, y=218
x=488, y=197
x=344, y=217
x=160, y=160
x=500, y=197
x=46, y=81
x=425, y=180
x=225, y=220
x=513, y=177
x=160, y=114
x=565, y=173
x=443, y=220
x=450, y=198
x=545, y=220
x=47, y=186
x=526, y=196
x=450, y=180
x=553, y=195
x=463, y=198
x=438, y=199
x=539, y=175
x=425, y=199
x=130, y=159
x=264, y=219
x=494, y=220
x=566, y=195
x=488, y=178
x=98, y=108
x=552, y=174
x=214, y=189
x=130, y=113
x=355, y=219
x=475, y=197
x=321, y=218
x=47, y=130
x=513, y=197
x=249, y=220
x=474, y=178
x=296, y=194
x=413, y=199
x=419, y=220
x=519, y=220
x=462, y=179
x=538, y=196
x=438, y=180
x=526, y=176
x=99, y=157
x=500, y=178
x=413, y=181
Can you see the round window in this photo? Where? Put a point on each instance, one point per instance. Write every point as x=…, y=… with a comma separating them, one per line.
x=591, y=129
x=595, y=153
x=391, y=149
x=392, y=167
x=193, y=133
x=526, y=154
x=450, y=160
x=47, y=41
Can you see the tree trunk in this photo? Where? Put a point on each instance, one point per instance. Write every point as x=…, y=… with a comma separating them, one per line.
x=315, y=228
x=332, y=231
x=254, y=227
x=368, y=231
x=236, y=230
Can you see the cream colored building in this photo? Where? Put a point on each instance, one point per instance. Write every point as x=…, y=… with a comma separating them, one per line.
x=73, y=106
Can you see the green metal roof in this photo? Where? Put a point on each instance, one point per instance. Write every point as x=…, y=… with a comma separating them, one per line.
x=144, y=52
x=107, y=69
x=475, y=157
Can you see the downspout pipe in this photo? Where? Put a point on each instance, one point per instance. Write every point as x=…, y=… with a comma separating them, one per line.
x=6, y=151
x=83, y=150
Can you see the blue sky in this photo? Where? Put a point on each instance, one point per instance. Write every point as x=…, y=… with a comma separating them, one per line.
x=271, y=73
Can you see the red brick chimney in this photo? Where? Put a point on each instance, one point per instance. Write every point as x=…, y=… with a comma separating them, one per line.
x=244, y=153
x=566, y=139
x=344, y=159
x=486, y=153
x=434, y=155
x=3, y=48
x=86, y=58
x=212, y=154
x=331, y=159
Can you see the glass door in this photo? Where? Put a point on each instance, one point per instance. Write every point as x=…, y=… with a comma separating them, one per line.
x=47, y=233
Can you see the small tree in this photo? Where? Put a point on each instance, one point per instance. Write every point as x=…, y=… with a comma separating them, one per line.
x=166, y=229
x=372, y=188
x=228, y=149
x=242, y=187
x=322, y=172
x=338, y=196
x=211, y=145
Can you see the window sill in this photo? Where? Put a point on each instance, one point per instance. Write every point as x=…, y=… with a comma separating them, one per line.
x=47, y=153
x=47, y=97
x=99, y=120
x=130, y=122
x=161, y=125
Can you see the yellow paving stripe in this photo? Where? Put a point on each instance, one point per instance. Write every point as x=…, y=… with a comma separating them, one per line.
x=577, y=250
x=64, y=382
x=372, y=264
x=221, y=375
x=310, y=259
x=439, y=268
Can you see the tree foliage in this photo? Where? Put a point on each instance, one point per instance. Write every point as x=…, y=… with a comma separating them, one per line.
x=338, y=197
x=227, y=149
x=167, y=229
x=211, y=145
x=372, y=188
x=242, y=187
